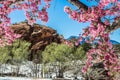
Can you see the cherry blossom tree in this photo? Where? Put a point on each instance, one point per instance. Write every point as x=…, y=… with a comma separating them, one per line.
x=99, y=17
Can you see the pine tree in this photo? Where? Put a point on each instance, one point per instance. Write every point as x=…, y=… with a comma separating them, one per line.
x=15, y=53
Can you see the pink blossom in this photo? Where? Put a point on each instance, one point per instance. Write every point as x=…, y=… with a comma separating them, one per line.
x=67, y=10
x=107, y=22
x=110, y=45
x=47, y=6
x=47, y=1
x=74, y=15
x=107, y=57
x=80, y=39
x=84, y=69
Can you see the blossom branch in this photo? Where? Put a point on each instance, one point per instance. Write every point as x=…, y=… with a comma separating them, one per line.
x=115, y=25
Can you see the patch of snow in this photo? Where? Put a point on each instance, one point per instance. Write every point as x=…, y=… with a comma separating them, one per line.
x=20, y=78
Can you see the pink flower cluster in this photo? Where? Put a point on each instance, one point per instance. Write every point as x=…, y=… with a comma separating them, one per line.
x=97, y=29
x=43, y=15
x=7, y=36
x=31, y=8
x=103, y=53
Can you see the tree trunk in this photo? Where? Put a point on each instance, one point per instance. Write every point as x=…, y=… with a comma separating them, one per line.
x=60, y=72
x=43, y=69
x=35, y=70
x=17, y=71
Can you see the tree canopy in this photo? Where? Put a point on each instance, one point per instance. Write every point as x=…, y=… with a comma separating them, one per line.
x=62, y=53
x=56, y=53
x=16, y=53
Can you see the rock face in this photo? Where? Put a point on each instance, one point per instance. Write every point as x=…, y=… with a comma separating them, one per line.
x=38, y=35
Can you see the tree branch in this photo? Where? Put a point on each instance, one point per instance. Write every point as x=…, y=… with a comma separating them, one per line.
x=78, y=4
x=114, y=26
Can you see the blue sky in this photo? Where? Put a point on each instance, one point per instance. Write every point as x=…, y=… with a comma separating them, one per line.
x=60, y=21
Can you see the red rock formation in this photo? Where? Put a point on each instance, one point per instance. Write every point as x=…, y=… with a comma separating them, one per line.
x=38, y=35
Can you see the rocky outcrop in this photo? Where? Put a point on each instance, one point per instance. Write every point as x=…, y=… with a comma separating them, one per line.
x=38, y=35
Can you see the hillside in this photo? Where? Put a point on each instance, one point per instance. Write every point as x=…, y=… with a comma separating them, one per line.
x=83, y=41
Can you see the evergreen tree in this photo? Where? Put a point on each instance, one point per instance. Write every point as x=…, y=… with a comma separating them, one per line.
x=15, y=53
x=20, y=50
x=4, y=55
x=62, y=55
x=79, y=53
x=58, y=54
